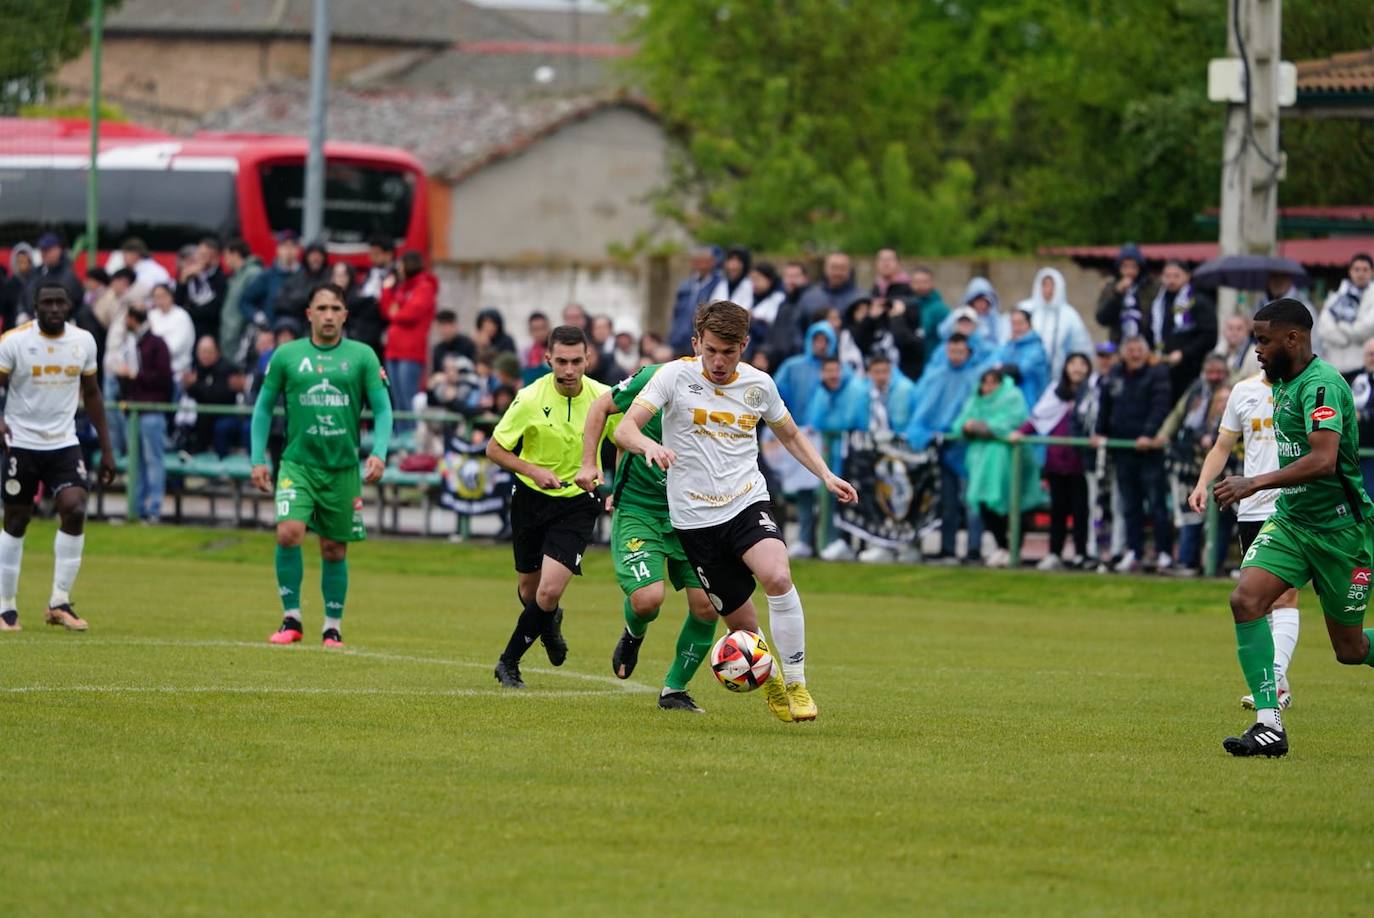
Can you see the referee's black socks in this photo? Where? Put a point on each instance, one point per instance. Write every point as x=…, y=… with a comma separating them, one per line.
x=533, y=622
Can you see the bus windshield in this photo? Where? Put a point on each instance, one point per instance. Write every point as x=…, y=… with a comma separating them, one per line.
x=166, y=209
x=359, y=201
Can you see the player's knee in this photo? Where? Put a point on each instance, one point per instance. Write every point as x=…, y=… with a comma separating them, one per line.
x=776, y=582
x=333, y=551
x=699, y=605
x=646, y=600
x=1246, y=607
x=290, y=534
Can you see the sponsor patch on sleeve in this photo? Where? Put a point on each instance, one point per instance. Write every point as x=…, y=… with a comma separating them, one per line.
x=1324, y=413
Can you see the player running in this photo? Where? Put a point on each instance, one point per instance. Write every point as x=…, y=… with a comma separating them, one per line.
x=1321, y=526
x=643, y=543
x=551, y=517
x=1250, y=414
x=47, y=364
x=324, y=378
x=717, y=498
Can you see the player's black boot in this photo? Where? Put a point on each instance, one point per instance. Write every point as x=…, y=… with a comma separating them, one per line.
x=508, y=674
x=679, y=701
x=1271, y=742
x=554, y=644
x=626, y=654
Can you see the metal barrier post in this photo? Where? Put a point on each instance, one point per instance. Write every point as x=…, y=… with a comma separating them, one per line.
x=132, y=479
x=1014, y=508
x=1209, y=536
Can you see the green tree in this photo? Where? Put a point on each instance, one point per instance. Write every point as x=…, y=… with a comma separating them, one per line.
x=38, y=36
x=942, y=126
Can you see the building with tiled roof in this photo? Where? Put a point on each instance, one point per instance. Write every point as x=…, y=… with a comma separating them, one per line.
x=1339, y=86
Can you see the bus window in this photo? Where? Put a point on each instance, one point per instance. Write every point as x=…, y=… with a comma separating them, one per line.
x=166, y=209
x=359, y=201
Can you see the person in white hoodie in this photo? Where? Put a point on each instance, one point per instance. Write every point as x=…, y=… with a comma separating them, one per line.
x=1347, y=319
x=1057, y=323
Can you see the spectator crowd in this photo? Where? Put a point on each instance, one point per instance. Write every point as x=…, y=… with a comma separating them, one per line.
x=918, y=400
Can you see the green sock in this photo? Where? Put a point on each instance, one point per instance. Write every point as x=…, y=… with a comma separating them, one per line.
x=1369, y=657
x=693, y=644
x=290, y=571
x=1255, y=647
x=633, y=623
x=334, y=585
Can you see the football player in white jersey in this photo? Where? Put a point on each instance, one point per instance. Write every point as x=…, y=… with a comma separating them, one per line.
x=1249, y=416
x=717, y=499
x=47, y=364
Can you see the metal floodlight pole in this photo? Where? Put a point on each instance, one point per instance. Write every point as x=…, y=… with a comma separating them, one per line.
x=313, y=216
x=93, y=178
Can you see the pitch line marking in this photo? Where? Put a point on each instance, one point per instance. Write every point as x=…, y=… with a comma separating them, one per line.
x=298, y=690
x=623, y=686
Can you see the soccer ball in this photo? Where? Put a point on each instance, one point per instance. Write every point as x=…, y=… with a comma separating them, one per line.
x=741, y=661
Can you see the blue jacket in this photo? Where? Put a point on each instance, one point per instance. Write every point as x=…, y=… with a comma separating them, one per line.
x=260, y=296
x=901, y=401
x=939, y=397
x=992, y=325
x=691, y=293
x=800, y=375
x=835, y=411
x=1027, y=354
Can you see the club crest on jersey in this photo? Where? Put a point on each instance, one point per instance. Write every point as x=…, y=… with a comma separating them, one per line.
x=753, y=397
x=1324, y=413
x=634, y=544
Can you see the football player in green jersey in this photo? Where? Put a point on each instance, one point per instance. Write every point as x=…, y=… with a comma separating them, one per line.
x=324, y=379
x=1321, y=528
x=643, y=545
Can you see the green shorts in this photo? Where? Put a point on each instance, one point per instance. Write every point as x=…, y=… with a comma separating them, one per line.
x=642, y=546
x=328, y=501
x=1338, y=563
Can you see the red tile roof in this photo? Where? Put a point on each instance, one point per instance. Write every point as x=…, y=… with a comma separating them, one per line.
x=1349, y=71
x=1335, y=252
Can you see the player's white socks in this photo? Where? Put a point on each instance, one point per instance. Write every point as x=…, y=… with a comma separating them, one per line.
x=66, y=550
x=788, y=624
x=1284, y=624
x=11, y=556
x=335, y=623
x=1269, y=717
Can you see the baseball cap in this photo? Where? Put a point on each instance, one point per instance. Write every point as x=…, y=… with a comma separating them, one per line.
x=1106, y=347
x=286, y=235
x=49, y=241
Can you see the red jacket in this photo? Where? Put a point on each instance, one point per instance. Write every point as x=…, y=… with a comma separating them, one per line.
x=408, y=308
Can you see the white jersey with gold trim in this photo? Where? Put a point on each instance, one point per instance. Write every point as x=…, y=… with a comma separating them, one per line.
x=1250, y=413
x=711, y=428
x=45, y=384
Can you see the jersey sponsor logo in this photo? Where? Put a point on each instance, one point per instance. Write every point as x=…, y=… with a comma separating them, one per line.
x=1359, y=585
x=1324, y=413
x=702, y=417
x=1360, y=575
x=323, y=395
x=357, y=503
x=305, y=366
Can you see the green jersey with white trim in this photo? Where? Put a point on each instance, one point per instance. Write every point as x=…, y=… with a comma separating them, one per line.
x=640, y=486
x=325, y=389
x=1319, y=398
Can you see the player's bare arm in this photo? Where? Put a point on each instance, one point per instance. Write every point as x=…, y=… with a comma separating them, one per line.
x=790, y=436
x=1211, y=468
x=1321, y=462
x=630, y=436
x=95, y=410
x=589, y=475
x=513, y=463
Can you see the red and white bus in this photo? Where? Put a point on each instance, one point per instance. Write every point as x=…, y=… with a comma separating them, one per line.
x=170, y=191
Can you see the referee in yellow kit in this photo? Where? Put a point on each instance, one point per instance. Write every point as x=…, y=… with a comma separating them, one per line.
x=551, y=517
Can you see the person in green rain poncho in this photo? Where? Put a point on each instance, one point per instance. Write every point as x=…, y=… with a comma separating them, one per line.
x=997, y=409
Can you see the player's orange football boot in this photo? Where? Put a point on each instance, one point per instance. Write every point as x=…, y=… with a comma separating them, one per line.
x=63, y=615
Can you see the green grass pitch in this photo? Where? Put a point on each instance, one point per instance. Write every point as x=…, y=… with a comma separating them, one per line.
x=988, y=742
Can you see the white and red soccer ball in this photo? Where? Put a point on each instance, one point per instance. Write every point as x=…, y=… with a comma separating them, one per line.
x=741, y=661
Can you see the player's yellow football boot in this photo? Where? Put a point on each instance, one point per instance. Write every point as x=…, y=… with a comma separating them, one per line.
x=776, y=696
x=800, y=702
x=63, y=615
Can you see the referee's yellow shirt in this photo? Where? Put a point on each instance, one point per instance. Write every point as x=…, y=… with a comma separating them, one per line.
x=547, y=426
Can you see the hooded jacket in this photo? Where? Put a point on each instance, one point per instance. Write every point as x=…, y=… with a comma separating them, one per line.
x=1123, y=312
x=800, y=375
x=1026, y=357
x=835, y=411
x=408, y=308
x=900, y=402
x=993, y=327
x=60, y=273
x=989, y=460
x=939, y=397
x=1058, y=324
x=14, y=287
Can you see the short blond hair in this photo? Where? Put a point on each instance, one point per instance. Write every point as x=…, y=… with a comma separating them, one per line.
x=726, y=320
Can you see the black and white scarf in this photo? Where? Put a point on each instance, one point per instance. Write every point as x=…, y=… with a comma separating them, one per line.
x=1183, y=302
x=1346, y=304
x=1130, y=312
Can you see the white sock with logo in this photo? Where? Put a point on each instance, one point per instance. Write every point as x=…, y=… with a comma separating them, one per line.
x=1284, y=624
x=788, y=624
x=66, y=550
x=1269, y=717
x=11, y=556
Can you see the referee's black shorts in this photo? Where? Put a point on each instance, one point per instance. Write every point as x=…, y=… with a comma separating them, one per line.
x=555, y=527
